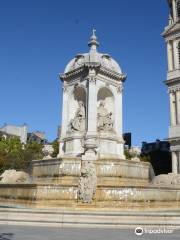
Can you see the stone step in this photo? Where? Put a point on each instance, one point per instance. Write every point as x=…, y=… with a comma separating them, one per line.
x=92, y=219
x=101, y=181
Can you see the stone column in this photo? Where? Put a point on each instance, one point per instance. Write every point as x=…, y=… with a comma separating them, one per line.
x=118, y=121
x=175, y=55
x=92, y=105
x=90, y=143
x=64, y=122
x=170, y=56
x=88, y=181
x=174, y=162
x=178, y=162
x=174, y=9
x=178, y=106
x=172, y=108
x=118, y=110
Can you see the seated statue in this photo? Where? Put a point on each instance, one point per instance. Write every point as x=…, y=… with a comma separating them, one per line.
x=105, y=122
x=78, y=122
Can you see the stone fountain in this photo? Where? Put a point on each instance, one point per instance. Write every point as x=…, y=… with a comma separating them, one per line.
x=90, y=170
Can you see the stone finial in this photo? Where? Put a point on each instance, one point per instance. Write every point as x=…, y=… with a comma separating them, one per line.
x=47, y=151
x=93, y=43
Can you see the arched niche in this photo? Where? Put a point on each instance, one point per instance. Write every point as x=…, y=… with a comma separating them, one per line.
x=107, y=96
x=78, y=93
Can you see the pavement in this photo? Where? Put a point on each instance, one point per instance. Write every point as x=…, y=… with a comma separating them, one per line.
x=12, y=232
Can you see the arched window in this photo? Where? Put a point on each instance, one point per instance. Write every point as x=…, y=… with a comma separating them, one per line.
x=179, y=52
x=178, y=8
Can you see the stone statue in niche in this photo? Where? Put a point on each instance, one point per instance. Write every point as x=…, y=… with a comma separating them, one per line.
x=78, y=122
x=104, y=121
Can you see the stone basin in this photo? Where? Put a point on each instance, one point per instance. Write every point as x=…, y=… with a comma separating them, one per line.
x=120, y=184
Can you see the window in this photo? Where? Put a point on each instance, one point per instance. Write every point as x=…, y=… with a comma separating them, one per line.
x=178, y=8
x=179, y=52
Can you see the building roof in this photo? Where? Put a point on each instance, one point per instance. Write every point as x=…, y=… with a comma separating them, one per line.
x=38, y=134
x=93, y=56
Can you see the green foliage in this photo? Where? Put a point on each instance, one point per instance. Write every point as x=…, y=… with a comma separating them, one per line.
x=127, y=154
x=145, y=158
x=34, y=150
x=14, y=155
x=55, y=145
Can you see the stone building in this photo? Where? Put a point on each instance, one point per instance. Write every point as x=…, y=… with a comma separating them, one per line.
x=18, y=131
x=38, y=137
x=8, y=131
x=92, y=105
x=127, y=140
x=172, y=38
x=159, y=155
x=153, y=146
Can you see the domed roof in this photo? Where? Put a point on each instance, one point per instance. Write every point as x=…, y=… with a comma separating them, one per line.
x=93, y=56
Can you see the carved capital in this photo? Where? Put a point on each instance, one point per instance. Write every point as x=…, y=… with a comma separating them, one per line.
x=65, y=87
x=92, y=79
x=120, y=88
x=173, y=90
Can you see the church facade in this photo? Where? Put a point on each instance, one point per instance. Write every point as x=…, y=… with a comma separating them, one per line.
x=172, y=38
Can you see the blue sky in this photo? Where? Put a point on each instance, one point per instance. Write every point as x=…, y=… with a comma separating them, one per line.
x=39, y=37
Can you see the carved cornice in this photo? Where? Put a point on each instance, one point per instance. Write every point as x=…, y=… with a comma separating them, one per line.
x=72, y=74
x=175, y=141
x=112, y=74
x=92, y=65
x=107, y=80
x=172, y=81
x=172, y=29
x=83, y=70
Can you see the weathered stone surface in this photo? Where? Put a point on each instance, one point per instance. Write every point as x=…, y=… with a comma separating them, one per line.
x=47, y=151
x=92, y=105
x=78, y=122
x=13, y=176
x=167, y=179
x=104, y=121
x=50, y=168
x=87, y=182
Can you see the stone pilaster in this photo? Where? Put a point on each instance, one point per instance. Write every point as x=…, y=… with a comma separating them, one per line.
x=170, y=56
x=174, y=162
x=172, y=108
x=64, y=113
x=118, y=111
x=92, y=106
x=64, y=121
x=178, y=105
x=178, y=163
x=175, y=54
x=174, y=10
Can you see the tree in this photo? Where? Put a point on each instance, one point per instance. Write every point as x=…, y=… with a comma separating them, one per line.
x=145, y=158
x=55, y=145
x=127, y=154
x=15, y=155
